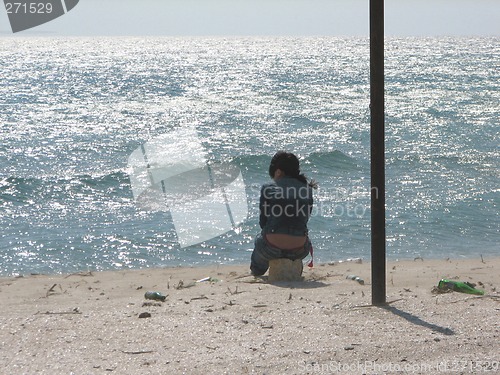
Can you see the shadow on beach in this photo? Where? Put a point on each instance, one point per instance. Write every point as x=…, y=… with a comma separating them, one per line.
x=417, y=321
x=303, y=284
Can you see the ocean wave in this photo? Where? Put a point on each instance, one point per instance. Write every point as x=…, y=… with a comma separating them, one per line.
x=26, y=190
x=327, y=161
x=253, y=166
x=333, y=160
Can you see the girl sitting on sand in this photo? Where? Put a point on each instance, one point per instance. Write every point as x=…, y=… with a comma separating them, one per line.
x=285, y=207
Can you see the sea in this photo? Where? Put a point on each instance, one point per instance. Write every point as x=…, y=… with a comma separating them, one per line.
x=73, y=110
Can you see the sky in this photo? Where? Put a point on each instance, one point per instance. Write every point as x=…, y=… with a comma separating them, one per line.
x=268, y=18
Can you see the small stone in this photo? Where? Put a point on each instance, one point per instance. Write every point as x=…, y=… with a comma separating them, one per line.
x=437, y=339
x=145, y=315
x=349, y=348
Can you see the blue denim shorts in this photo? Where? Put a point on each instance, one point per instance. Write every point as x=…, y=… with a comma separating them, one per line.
x=264, y=252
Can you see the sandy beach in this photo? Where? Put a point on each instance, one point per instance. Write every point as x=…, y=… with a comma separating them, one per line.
x=89, y=322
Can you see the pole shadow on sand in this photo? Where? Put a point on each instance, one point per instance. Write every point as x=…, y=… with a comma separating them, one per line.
x=417, y=321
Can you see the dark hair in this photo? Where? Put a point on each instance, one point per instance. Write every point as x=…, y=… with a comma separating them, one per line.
x=289, y=164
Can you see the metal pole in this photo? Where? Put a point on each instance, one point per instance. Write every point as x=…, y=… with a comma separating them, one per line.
x=377, y=151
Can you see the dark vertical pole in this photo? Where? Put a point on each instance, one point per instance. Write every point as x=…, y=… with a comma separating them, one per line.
x=377, y=150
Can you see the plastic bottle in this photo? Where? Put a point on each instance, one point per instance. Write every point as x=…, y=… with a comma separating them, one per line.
x=356, y=278
x=458, y=286
x=157, y=296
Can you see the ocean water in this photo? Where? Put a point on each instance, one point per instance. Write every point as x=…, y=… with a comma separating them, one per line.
x=72, y=110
